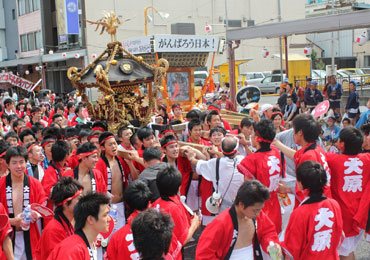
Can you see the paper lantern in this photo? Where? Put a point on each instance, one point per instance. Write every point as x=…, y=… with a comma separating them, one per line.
x=265, y=53
x=361, y=40
x=27, y=72
x=208, y=28
x=64, y=55
x=51, y=52
x=307, y=51
x=77, y=56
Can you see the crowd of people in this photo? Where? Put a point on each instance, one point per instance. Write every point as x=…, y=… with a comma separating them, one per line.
x=280, y=184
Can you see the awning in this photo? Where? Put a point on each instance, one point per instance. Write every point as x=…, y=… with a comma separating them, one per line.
x=55, y=57
x=237, y=62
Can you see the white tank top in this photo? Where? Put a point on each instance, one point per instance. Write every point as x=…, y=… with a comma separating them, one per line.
x=244, y=253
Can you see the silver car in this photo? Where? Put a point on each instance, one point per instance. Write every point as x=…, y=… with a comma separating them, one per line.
x=270, y=84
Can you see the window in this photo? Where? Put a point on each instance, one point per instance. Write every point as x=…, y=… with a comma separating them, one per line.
x=21, y=7
x=31, y=41
x=276, y=78
x=28, y=6
x=267, y=80
x=36, y=5
x=38, y=40
x=367, y=62
x=13, y=14
x=24, y=45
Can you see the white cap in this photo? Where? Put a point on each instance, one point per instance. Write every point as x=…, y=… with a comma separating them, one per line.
x=266, y=107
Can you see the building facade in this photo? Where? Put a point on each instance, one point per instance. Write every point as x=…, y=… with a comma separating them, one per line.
x=347, y=52
x=34, y=49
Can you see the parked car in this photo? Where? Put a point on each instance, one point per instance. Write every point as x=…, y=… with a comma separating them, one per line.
x=253, y=78
x=366, y=70
x=319, y=76
x=199, y=77
x=357, y=74
x=271, y=84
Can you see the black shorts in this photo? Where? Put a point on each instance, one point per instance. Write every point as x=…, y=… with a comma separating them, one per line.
x=334, y=104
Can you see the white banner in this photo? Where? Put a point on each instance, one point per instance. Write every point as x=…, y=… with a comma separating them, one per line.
x=16, y=81
x=172, y=43
x=185, y=43
x=138, y=45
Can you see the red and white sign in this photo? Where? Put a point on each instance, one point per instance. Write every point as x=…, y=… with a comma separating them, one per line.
x=321, y=109
x=17, y=81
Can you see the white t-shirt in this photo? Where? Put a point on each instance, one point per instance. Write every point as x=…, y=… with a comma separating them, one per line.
x=230, y=178
x=243, y=253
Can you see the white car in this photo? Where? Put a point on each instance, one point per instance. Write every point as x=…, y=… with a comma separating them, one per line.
x=253, y=78
x=270, y=84
x=199, y=77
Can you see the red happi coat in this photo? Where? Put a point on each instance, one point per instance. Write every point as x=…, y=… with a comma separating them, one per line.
x=312, y=152
x=184, y=167
x=346, y=192
x=103, y=168
x=205, y=191
x=101, y=185
x=70, y=248
x=121, y=245
x=205, y=188
x=266, y=167
x=216, y=239
x=37, y=195
x=186, y=171
x=51, y=177
x=51, y=236
x=4, y=232
x=304, y=225
x=180, y=216
x=362, y=217
x=72, y=161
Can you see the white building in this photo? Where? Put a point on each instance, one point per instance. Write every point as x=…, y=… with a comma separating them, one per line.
x=347, y=52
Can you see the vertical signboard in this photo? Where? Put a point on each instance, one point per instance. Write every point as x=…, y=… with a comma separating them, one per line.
x=67, y=19
x=61, y=16
x=73, y=24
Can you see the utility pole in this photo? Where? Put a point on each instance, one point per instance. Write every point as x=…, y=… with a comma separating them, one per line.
x=280, y=45
x=332, y=42
x=231, y=60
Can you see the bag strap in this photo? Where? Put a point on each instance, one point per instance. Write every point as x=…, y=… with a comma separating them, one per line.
x=257, y=252
x=217, y=172
x=234, y=219
x=282, y=156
